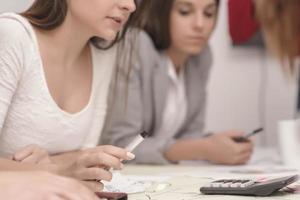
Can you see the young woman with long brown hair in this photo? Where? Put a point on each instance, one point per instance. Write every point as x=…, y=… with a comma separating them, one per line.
x=54, y=80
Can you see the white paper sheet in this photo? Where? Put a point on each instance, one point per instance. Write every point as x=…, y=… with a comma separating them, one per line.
x=131, y=184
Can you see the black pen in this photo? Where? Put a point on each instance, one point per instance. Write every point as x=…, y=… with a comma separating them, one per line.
x=246, y=137
x=253, y=132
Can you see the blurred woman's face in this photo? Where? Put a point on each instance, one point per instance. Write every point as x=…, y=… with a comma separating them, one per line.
x=101, y=18
x=191, y=24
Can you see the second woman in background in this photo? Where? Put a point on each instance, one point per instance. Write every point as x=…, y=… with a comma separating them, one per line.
x=167, y=89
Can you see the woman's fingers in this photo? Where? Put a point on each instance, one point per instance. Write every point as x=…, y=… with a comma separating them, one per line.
x=94, y=186
x=243, y=158
x=246, y=147
x=100, y=159
x=115, y=151
x=74, y=191
x=118, y=152
x=32, y=154
x=77, y=191
x=93, y=164
x=23, y=153
x=30, y=159
x=94, y=173
x=69, y=189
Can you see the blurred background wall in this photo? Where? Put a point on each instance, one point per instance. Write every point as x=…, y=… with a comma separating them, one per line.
x=14, y=5
x=246, y=90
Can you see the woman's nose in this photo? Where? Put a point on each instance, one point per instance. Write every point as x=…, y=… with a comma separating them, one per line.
x=128, y=5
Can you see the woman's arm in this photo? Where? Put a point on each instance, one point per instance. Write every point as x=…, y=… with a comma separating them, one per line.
x=219, y=148
x=12, y=56
x=188, y=149
x=41, y=185
x=10, y=165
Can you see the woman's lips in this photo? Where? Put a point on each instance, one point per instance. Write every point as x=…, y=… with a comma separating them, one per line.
x=197, y=39
x=117, y=21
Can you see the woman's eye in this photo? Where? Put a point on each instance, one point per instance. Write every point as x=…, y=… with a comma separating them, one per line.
x=209, y=14
x=184, y=12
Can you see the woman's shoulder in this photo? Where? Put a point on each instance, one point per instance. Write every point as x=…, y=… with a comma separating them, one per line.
x=15, y=41
x=142, y=42
x=13, y=29
x=146, y=49
x=145, y=39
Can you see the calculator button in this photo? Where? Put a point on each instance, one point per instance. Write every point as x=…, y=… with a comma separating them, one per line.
x=236, y=181
x=226, y=185
x=244, y=181
x=235, y=185
x=247, y=184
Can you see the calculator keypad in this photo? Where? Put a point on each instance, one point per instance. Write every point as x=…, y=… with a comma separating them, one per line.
x=232, y=183
x=253, y=187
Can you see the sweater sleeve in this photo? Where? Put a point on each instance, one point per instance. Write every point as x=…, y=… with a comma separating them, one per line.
x=12, y=46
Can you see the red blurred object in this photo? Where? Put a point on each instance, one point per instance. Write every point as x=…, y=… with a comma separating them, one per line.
x=242, y=23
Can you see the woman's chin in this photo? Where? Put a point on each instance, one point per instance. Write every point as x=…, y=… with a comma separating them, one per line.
x=109, y=35
x=195, y=50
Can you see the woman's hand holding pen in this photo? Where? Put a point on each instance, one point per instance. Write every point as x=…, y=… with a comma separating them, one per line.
x=91, y=165
x=222, y=149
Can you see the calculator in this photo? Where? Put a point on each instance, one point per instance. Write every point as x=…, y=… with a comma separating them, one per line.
x=248, y=187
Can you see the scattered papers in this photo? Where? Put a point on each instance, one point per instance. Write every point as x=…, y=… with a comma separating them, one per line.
x=131, y=184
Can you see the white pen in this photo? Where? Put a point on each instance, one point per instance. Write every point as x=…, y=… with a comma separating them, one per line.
x=136, y=141
x=130, y=147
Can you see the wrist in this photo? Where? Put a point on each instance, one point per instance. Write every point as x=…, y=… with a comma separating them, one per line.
x=204, y=149
x=65, y=158
x=192, y=149
x=52, y=168
x=169, y=154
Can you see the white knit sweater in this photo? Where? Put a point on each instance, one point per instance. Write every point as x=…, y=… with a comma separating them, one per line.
x=28, y=113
